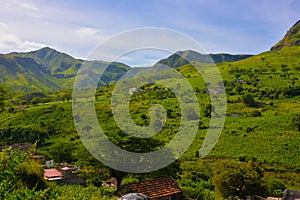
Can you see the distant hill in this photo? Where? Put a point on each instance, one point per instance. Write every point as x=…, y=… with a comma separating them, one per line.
x=181, y=58
x=291, y=38
x=48, y=70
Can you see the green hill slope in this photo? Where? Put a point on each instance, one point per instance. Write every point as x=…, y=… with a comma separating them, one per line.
x=47, y=70
x=292, y=38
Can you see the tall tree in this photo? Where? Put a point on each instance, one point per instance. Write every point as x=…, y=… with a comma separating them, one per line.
x=296, y=121
x=3, y=96
x=234, y=178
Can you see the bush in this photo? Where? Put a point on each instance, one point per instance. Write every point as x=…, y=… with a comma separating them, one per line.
x=249, y=100
x=256, y=113
x=32, y=175
x=275, y=187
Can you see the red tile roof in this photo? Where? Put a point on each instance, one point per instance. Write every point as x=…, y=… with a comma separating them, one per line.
x=50, y=173
x=156, y=188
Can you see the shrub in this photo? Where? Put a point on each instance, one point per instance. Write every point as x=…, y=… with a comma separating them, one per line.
x=32, y=175
x=275, y=187
x=256, y=113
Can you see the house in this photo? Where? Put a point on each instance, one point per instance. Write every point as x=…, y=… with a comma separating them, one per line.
x=134, y=90
x=52, y=174
x=49, y=162
x=158, y=189
x=63, y=176
x=234, y=114
x=291, y=195
x=66, y=165
x=273, y=198
x=112, y=183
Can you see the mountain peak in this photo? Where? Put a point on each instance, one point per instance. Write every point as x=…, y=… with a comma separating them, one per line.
x=181, y=58
x=44, y=49
x=291, y=38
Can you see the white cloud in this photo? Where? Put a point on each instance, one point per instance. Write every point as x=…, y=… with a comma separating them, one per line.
x=29, y=6
x=10, y=42
x=21, y=8
x=91, y=34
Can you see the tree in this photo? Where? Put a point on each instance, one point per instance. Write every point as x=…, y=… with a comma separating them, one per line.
x=208, y=110
x=36, y=100
x=234, y=178
x=61, y=151
x=255, y=113
x=133, y=144
x=249, y=100
x=296, y=121
x=3, y=97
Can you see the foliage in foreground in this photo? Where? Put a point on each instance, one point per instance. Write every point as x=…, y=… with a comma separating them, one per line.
x=22, y=178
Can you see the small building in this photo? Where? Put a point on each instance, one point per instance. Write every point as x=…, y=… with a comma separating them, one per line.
x=273, y=198
x=52, y=174
x=49, y=162
x=158, y=189
x=111, y=183
x=63, y=176
x=291, y=195
x=134, y=90
x=66, y=172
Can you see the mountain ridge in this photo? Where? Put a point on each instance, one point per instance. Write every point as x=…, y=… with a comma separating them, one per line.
x=181, y=58
x=48, y=70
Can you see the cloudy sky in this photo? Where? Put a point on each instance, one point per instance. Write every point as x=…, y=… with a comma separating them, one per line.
x=77, y=27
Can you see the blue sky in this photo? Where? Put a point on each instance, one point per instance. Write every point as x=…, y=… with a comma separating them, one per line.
x=77, y=27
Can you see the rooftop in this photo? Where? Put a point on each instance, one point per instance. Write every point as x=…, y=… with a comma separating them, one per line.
x=51, y=173
x=156, y=188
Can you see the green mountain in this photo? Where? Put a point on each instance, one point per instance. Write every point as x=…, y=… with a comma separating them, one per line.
x=292, y=38
x=181, y=58
x=261, y=127
x=49, y=70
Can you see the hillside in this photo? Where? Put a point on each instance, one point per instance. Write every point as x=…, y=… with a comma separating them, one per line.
x=181, y=58
x=47, y=70
x=264, y=132
x=292, y=38
x=261, y=130
x=271, y=78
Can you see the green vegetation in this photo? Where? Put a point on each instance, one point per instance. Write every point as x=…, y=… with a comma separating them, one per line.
x=22, y=178
x=257, y=154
